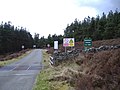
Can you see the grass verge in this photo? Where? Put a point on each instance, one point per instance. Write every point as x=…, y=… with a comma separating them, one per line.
x=3, y=63
x=41, y=82
x=54, y=78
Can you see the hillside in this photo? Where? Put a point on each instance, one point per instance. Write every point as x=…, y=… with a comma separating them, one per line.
x=91, y=71
x=99, y=71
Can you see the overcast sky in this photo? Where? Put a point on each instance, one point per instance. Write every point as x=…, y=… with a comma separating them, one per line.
x=51, y=16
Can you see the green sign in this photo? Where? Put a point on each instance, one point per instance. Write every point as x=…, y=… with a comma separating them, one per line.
x=87, y=42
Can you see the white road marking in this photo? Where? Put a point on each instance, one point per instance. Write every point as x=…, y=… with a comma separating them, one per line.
x=14, y=68
x=28, y=68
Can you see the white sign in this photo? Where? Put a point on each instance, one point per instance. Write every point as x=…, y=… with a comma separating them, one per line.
x=23, y=47
x=55, y=44
x=48, y=45
x=68, y=42
x=34, y=46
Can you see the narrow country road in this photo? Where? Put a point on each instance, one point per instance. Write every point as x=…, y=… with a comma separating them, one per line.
x=21, y=75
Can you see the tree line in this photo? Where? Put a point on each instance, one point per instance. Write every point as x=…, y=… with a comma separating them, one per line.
x=12, y=38
x=42, y=42
x=99, y=28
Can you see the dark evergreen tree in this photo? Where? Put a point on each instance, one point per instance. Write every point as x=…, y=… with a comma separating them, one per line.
x=99, y=28
x=11, y=39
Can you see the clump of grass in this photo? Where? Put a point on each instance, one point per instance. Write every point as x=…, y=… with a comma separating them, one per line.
x=42, y=83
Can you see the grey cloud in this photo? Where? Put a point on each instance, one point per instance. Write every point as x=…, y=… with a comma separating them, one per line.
x=101, y=5
x=115, y=3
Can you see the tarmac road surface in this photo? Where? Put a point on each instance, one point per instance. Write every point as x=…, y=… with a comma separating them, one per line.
x=21, y=75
